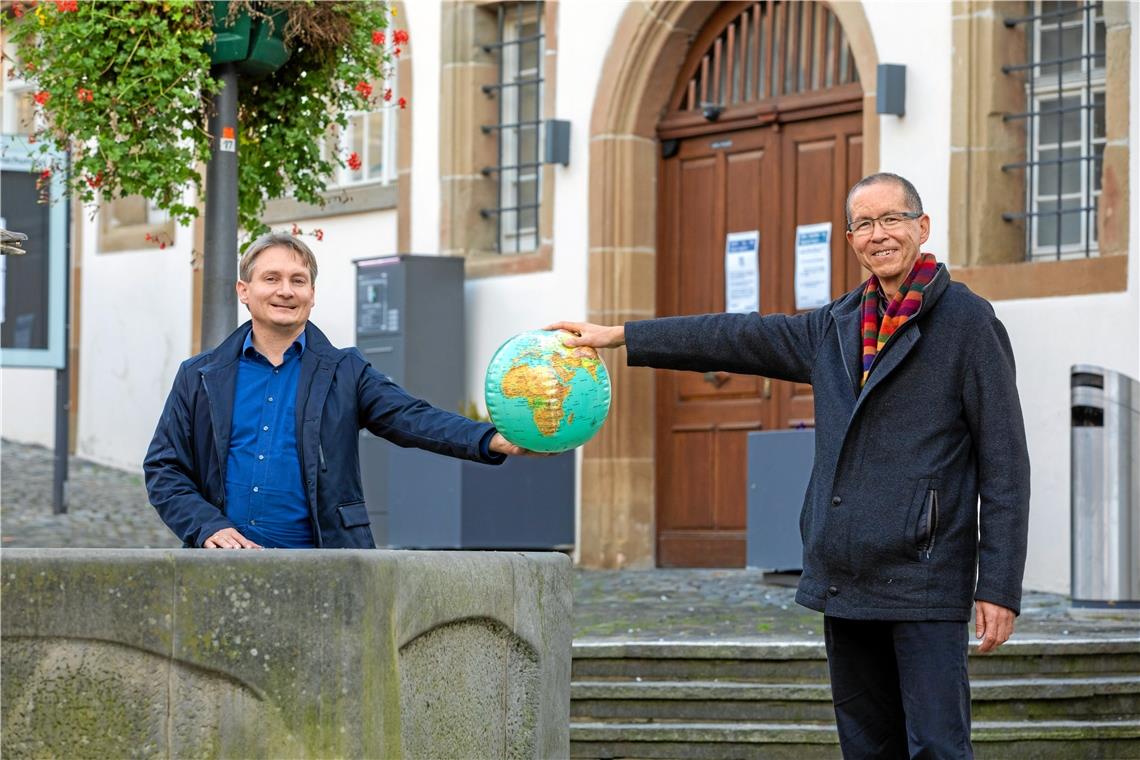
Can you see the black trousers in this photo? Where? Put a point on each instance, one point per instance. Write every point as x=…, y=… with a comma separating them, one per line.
x=900, y=688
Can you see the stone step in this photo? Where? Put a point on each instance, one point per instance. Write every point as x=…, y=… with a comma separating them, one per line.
x=1038, y=740
x=994, y=699
x=805, y=662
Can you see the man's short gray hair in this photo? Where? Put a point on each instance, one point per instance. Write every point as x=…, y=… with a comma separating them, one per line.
x=910, y=194
x=272, y=240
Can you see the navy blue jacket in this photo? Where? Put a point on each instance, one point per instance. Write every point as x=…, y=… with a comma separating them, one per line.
x=338, y=394
x=908, y=469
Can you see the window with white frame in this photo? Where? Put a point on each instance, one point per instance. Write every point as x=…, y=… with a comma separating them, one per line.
x=1065, y=128
x=521, y=48
x=370, y=137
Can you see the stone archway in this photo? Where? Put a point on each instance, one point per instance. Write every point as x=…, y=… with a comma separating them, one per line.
x=645, y=56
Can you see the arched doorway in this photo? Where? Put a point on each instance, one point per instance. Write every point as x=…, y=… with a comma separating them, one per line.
x=763, y=134
x=617, y=525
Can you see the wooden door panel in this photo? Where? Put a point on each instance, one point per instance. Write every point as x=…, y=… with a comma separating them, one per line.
x=703, y=419
x=817, y=173
x=766, y=179
x=731, y=477
x=853, y=273
x=699, y=286
x=715, y=386
x=695, y=454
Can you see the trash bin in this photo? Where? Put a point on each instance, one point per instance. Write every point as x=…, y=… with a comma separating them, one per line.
x=1105, y=494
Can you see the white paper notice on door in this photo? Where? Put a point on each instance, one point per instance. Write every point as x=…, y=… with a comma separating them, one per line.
x=813, y=265
x=742, y=272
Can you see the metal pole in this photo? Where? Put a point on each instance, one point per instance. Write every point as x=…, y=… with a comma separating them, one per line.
x=219, y=260
x=63, y=386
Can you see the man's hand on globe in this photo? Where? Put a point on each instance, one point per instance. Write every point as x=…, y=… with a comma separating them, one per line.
x=501, y=445
x=594, y=336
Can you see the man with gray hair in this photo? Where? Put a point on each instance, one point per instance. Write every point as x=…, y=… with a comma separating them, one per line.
x=258, y=443
x=918, y=503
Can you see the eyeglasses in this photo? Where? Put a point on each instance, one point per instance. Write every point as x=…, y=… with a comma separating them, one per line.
x=863, y=227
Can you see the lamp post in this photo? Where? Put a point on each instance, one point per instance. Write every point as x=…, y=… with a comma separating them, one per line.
x=243, y=47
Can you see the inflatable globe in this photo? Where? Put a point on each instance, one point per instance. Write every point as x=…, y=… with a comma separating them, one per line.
x=545, y=396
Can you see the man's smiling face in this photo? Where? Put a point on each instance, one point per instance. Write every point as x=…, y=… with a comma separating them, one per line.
x=888, y=254
x=280, y=293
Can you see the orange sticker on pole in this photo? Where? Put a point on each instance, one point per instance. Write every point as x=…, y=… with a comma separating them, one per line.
x=228, y=143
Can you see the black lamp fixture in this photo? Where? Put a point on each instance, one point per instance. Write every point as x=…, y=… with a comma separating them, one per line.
x=556, y=142
x=890, y=92
x=711, y=111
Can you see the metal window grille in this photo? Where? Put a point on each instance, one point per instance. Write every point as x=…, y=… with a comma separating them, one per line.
x=520, y=47
x=772, y=49
x=1064, y=121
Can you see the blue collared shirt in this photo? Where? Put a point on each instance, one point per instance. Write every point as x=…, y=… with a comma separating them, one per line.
x=265, y=496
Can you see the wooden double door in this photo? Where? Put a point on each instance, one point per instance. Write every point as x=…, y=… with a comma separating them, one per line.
x=769, y=179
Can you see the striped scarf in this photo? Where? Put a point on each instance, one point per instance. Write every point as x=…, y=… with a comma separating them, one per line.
x=902, y=307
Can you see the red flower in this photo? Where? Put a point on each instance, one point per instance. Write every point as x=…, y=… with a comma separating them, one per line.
x=319, y=233
x=396, y=52
x=84, y=95
x=378, y=37
x=364, y=89
x=18, y=10
x=42, y=97
x=67, y=6
x=147, y=237
x=388, y=94
x=45, y=174
x=161, y=246
x=354, y=162
x=96, y=181
x=400, y=37
x=403, y=102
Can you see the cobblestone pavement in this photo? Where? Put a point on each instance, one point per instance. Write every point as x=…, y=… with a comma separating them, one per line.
x=109, y=508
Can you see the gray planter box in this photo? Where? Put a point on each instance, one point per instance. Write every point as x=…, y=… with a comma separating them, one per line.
x=427, y=501
x=779, y=467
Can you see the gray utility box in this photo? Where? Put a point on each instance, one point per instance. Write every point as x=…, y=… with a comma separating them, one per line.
x=1105, y=535
x=410, y=326
x=779, y=468
x=445, y=503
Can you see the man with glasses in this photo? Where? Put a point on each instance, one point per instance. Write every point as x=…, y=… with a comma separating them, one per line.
x=918, y=504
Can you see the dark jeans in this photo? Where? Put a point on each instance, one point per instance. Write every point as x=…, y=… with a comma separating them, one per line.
x=900, y=688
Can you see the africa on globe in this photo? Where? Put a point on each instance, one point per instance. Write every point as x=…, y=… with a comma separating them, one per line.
x=545, y=396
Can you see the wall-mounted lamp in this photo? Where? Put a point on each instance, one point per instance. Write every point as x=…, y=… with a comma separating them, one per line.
x=557, y=142
x=890, y=91
x=711, y=111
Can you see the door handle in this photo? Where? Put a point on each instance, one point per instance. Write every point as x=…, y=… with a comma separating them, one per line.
x=717, y=379
x=767, y=388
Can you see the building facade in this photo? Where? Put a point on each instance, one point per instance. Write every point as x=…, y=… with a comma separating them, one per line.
x=688, y=121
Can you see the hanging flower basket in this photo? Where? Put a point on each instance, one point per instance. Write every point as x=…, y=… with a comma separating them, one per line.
x=127, y=87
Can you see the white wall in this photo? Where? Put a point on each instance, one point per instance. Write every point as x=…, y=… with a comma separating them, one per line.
x=424, y=26
x=917, y=35
x=134, y=333
x=27, y=405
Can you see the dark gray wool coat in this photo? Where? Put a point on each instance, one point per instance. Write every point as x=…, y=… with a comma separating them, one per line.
x=891, y=524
